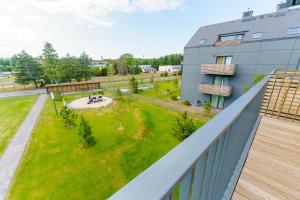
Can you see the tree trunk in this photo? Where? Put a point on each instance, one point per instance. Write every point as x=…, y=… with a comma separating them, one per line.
x=35, y=83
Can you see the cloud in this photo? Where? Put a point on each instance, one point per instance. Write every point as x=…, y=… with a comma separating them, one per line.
x=99, y=12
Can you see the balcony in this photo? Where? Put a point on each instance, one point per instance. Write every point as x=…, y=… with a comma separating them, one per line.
x=227, y=43
x=218, y=69
x=239, y=154
x=215, y=89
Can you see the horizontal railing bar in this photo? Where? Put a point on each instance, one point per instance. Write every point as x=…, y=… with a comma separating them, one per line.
x=162, y=176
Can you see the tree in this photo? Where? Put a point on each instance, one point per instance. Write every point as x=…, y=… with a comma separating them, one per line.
x=68, y=117
x=67, y=69
x=84, y=71
x=49, y=62
x=135, y=70
x=27, y=69
x=85, y=135
x=134, y=85
x=175, y=82
x=184, y=127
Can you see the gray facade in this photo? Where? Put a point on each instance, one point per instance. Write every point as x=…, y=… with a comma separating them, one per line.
x=275, y=50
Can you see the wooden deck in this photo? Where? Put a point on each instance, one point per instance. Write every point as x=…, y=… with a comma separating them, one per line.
x=272, y=169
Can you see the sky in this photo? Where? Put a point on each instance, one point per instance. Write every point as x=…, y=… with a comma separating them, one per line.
x=109, y=28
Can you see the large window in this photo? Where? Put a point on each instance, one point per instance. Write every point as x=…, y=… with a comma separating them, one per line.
x=293, y=31
x=228, y=37
x=257, y=35
x=227, y=60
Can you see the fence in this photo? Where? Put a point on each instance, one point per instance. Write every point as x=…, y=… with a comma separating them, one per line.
x=70, y=87
x=203, y=165
x=282, y=98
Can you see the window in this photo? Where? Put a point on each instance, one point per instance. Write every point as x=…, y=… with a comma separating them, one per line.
x=227, y=60
x=293, y=31
x=238, y=36
x=203, y=41
x=257, y=35
x=296, y=2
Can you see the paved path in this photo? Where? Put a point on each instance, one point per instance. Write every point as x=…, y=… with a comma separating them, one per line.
x=22, y=93
x=14, y=151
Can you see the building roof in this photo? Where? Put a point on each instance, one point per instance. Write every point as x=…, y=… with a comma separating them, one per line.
x=273, y=26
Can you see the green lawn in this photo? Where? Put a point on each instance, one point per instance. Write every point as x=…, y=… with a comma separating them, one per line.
x=163, y=90
x=130, y=137
x=12, y=113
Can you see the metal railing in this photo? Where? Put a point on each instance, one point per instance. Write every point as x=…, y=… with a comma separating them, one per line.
x=203, y=165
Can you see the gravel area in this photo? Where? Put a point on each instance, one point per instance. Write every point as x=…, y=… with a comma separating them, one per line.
x=81, y=103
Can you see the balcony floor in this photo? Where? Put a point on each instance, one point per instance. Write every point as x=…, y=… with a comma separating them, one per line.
x=272, y=168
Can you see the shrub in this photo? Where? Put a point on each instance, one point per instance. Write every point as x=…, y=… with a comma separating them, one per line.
x=168, y=90
x=58, y=95
x=173, y=97
x=68, y=117
x=161, y=75
x=187, y=103
x=118, y=94
x=85, y=135
x=165, y=74
x=134, y=85
x=258, y=77
x=184, y=127
x=246, y=87
x=207, y=107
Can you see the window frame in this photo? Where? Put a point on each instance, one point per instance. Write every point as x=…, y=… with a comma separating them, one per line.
x=234, y=35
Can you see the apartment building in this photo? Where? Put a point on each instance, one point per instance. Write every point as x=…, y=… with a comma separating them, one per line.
x=220, y=59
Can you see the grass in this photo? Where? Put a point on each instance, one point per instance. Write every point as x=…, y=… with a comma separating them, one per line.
x=163, y=90
x=12, y=113
x=130, y=137
x=7, y=78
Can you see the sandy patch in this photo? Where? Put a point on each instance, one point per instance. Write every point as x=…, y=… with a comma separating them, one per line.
x=81, y=103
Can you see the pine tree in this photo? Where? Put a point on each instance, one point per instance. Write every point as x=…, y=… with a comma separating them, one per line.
x=49, y=62
x=27, y=69
x=85, y=135
x=84, y=70
x=184, y=127
x=134, y=85
x=68, y=117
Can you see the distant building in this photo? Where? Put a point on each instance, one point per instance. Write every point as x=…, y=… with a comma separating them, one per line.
x=221, y=59
x=170, y=68
x=98, y=63
x=147, y=69
x=3, y=74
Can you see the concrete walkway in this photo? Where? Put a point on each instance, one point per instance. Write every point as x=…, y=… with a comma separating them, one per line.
x=14, y=151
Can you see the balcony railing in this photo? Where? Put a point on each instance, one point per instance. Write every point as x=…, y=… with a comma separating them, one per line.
x=224, y=91
x=218, y=69
x=227, y=43
x=205, y=165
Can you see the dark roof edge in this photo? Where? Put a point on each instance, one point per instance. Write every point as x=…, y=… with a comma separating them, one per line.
x=263, y=40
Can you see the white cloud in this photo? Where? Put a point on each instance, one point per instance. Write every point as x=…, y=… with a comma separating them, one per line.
x=99, y=12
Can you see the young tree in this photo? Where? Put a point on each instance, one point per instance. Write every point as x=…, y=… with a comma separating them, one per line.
x=184, y=127
x=49, y=62
x=134, y=85
x=27, y=69
x=68, y=117
x=85, y=135
x=175, y=82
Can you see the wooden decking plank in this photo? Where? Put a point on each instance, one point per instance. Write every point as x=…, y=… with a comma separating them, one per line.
x=272, y=168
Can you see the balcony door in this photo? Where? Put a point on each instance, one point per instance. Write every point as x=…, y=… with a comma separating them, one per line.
x=216, y=100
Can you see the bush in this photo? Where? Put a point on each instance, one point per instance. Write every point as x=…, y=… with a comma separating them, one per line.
x=68, y=117
x=184, y=127
x=168, y=90
x=258, y=77
x=118, y=94
x=187, y=103
x=85, y=135
x=246, y=87
x=207, y=108
x=165, y=74
x=151, y=79
x=161, y=75
x=173, y=97
x=134, y=85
